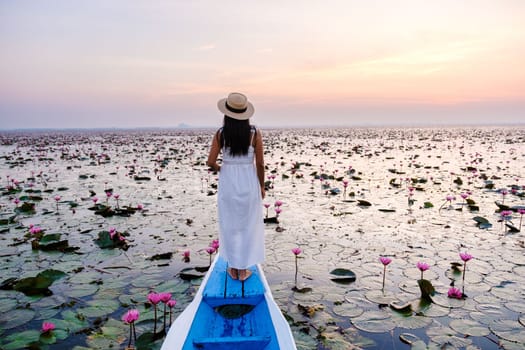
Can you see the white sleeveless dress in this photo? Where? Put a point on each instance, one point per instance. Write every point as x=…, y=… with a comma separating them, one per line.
x=241, y=226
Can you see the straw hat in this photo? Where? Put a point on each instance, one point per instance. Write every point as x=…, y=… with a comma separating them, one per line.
x=236, y=106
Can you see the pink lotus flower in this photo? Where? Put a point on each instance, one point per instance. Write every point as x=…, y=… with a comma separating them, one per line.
x=215, y=244
x=385, y=260
x=506, y=213
x=455, y=293
x=116, y=196
x=57, y=198
x=16, y=201
x=465, y=256
x=165, y=297
x=140, y=206
x=35, y=229
x=296, y=251
x=48, y=327
x=464, y=195
x=112, y=232
x=521, y=212
x=210, y=251
x=266, y=205
x=171, y=304
x=278, y=203
x=422, y=266
x=503, y=194
x=278, y=211
x=109, y=194
x=95, y=200
x=131, y=316
x=186, y=256
x=154, y=298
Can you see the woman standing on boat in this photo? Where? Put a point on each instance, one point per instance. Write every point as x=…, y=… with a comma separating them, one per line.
x=241, y=186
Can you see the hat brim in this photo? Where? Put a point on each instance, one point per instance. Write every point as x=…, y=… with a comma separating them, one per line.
x=239, y=116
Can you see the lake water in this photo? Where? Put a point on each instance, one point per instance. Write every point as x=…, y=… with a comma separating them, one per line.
x=402, y=200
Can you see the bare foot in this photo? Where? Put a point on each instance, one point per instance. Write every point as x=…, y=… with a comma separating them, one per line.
x=234, y=273
x=244, y=274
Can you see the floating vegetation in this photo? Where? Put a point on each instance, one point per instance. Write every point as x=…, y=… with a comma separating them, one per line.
x=344, y=276
x=38, y=285
x=438, y=192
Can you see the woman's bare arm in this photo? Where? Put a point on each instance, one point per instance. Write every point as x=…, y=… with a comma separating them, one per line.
x=214, y=153
x=259, y=160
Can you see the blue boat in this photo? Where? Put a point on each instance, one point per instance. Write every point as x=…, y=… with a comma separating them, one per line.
x=229, y=314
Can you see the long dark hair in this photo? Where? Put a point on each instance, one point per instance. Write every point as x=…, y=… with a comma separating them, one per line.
x=236, y=135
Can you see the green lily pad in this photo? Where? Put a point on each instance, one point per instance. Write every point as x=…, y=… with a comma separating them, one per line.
x=427, y=308
x=509, y=330
x=48, y=338
x=46, y=314
x=343, y=276
x=190, y=273
x=426, y=287
x=162, y=256
x=10, y=220
x=147, y=281
x=72, y=322
x=7, y=305
x=105, y=241
x=469, y=328
x=347, y=309
x=445, y=336
x=99, y=307
x=20, y=340
x=38, y=285
x=26, y=207
x=15, y=318
x=409, y=321
x=381, y=297
x=482, y=222
x=101, y=341
x=52, y=237
x=374, y=322
x=409, y=338
x=51, y=242
x=81, y=290
x=333, y=338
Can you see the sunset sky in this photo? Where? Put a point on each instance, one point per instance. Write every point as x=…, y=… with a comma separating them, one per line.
x=160, y=63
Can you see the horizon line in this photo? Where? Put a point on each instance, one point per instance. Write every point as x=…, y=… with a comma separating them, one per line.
x=184, y=126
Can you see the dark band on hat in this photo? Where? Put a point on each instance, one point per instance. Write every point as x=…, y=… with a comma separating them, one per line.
x=235, y=110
